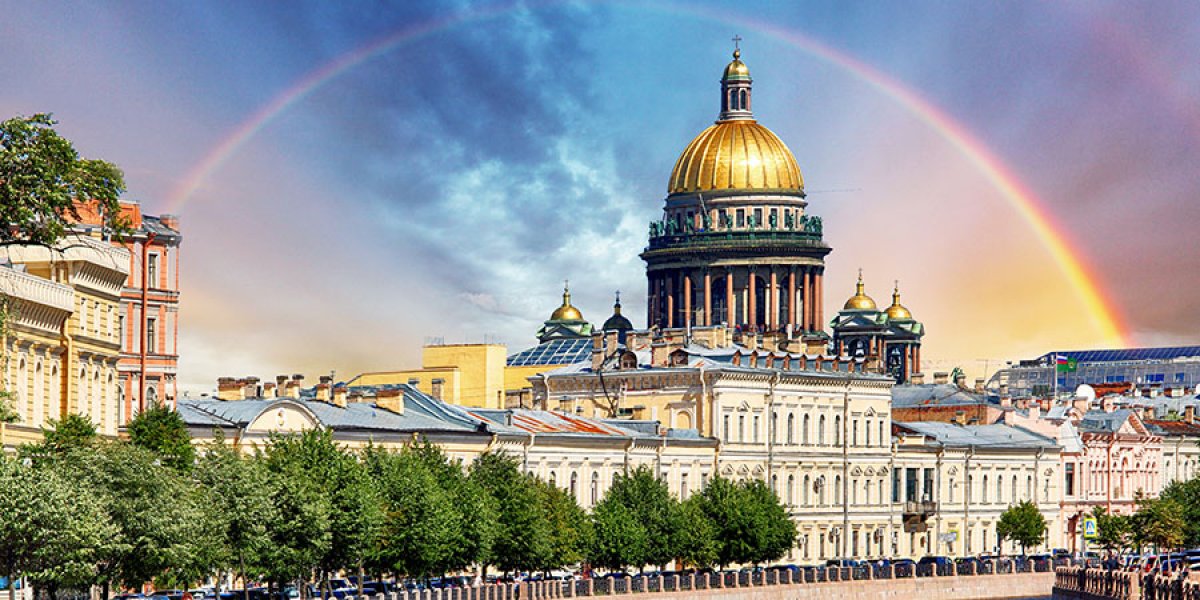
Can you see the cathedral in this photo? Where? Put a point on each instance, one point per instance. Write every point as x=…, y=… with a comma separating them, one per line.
x=737, y=248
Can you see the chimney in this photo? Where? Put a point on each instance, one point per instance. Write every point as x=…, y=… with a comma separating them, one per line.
x=1106, y=404
x=269, y=390
x=979, y=385
x=323, y=391
x=171, y=221
x=961, y=381
x=280, y=383
x=1147, y=412
x=390, y=399
x=660, y=354
x=228, y=388
x=640, y=412
x=1003, y=390
x=1035, y=410
x=1176, y=392
x=917, y=379
x=339, y=396
x=250, y=387
x=293, y=386
x=1189, y=413
x=941, y=378
x=1005, y=401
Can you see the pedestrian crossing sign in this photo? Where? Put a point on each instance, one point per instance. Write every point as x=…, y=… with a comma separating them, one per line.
x=1089, y=528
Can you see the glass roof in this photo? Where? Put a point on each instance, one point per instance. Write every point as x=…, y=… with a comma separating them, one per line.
x=1127, y=354
x=553, y=352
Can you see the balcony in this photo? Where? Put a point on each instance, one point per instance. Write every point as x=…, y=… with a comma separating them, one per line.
x=736, y=238
x=921, y=508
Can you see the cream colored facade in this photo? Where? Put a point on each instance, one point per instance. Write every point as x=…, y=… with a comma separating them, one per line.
x=62, y=343
x=957, y=480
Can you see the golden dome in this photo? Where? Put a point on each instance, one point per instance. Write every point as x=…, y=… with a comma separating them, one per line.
x=736, y=69
x=566, y=312
x=897, y=311
x=859, y=301
x=736, y=155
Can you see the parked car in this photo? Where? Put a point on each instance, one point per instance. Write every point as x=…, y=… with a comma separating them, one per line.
x=940, y=561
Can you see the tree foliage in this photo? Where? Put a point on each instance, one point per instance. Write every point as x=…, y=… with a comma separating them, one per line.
x=1022, y=523
x=41, y=178
x=236, y=491
x=522, y=533
x=1187, y=495
x=1112, y=531
x=162, y=431
x=750, y=523
x=651, y=505
x=1159, y=522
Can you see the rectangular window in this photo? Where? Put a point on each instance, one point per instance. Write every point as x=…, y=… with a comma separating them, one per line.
x=910, y=484
x=895, y=486
x=758, y=220
x=722, y=217
x=152, y=270
x=151, y=336
x=741, y=217
x=927, y=490
x=121, y=330
x=1180, y=377
x=754, y=430
x=1155, y=377
x=683, y=488
x=1069, y=476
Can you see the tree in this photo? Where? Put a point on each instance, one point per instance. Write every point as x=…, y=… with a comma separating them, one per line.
x=522, y=533
x=41, y=179
x=651, y=505
x=344, y=525
x=1187, y=495
x=236, y=490
x=618, y=539
x=419, y=528
x=570, y=528
x=1022, y=523
x=72, y=432
x=692, y=535
x=1160, y=522
x=1112, y=531
x=751, y=525
x=163, y=432
x=157, y=512
x=52, y=530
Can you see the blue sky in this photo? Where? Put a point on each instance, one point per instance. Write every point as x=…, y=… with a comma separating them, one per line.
x=447, y=187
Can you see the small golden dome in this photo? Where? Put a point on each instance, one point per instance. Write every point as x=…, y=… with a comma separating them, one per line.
x=859, y=301
x=736, y=155
x=566, y=312
x=736, y=69
x=896, y=311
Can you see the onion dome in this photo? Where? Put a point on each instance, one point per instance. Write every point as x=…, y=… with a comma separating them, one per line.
x=736, y=153
x=860, y=300
x=566, y=312
x=617, y=322
x=896, y=311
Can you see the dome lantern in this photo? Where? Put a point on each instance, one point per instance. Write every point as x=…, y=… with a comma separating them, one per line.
x=566, y=312
x=896, y=311
x=860, y=300
x=617, y=322
x=735, y=88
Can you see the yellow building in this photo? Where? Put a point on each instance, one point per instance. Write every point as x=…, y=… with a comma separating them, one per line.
x=483, y=375
x=63, y=332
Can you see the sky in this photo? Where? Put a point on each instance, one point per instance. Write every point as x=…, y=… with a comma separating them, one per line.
x=354, y=180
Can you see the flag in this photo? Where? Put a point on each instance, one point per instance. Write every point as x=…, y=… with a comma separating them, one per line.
x=1064, y=363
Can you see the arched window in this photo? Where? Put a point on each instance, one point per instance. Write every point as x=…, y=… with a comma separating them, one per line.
x=775, y=485
x=837, y=489
x=791, y=489
x=742, y=100
x=821, y=431
x=741, y=428
x=575, y=486
x=1000, y=489
x=985, y=491
x=774, y=427
x=854, y=432
x=883, y=437
x=867, y=431
x=791, y=429
x=951, y=490
x=1013, y=498
x=725, y=426
x=804, y=491
x=837, y=430
x=804, y=431
x=595, y=488
x=970, y=488
x=553, y=479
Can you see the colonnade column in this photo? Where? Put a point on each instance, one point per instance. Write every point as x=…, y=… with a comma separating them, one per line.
x=707, y=298
x=806, y=300
x=670, y=302
x=687, y=299
x=820, y=319
x=773, y=296
x=752, y=304
x=792, y=296
x=730, y=316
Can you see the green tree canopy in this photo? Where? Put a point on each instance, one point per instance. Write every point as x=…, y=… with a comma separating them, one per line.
x=1159, y=521
x=750, y=523
x=1022, y=523
x=570, y=528
x=693, y=536
x=1112, y=531
x=651, y=504
x=162, y=431
x=420, y=524
x=618, y=539
x=1187, y=495
x=41, y=178
x=237, y=493
x=522, y=533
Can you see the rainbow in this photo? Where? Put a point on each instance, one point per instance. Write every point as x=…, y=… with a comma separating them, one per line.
x=1101, y=310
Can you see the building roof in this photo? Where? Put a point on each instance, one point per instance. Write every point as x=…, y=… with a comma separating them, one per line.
x=997, y=436
x=563, y=351
x=1126, y=354
x=935, y=394
x=1165, y=428
x=1098, y=421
